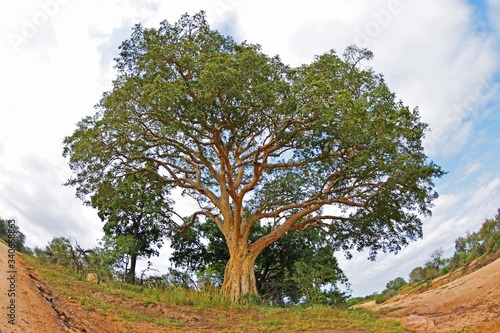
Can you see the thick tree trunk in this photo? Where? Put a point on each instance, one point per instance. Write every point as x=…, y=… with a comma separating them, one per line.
x=239, y=277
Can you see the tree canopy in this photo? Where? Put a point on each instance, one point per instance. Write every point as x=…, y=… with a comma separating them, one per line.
x=324, y=145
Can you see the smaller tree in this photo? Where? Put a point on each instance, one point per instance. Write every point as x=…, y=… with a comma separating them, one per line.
x=136, y=213
x=417, y=275
x=431, y=270
x=61, y=252
x=460, y=245
x=102, y=260
x=318, y=283
x=391, y=289
x=106, y=260
x=437, y=259
x=490, y=234
x=396, y=284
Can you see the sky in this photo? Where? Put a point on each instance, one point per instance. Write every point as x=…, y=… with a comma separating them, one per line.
x=443, y=57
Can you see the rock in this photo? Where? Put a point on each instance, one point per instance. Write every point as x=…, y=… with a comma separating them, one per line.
x=417, y=322
x=91, y=277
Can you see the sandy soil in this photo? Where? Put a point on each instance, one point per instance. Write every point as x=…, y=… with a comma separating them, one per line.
x=469, y=303
x=31, y=311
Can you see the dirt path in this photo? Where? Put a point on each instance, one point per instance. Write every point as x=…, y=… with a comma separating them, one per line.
x=29, y=310
x=471, y=302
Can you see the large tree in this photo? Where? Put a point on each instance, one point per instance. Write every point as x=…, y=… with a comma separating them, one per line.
x=324, y=145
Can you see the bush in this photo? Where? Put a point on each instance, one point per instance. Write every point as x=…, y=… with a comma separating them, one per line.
x=445, y=270
x=386, y=294
x=417, y=275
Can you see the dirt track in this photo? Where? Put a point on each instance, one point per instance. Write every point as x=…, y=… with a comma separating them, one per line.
x=31, y=311
x=470, y=302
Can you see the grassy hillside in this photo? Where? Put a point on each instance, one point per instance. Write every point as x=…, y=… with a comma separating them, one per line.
x=161, y=308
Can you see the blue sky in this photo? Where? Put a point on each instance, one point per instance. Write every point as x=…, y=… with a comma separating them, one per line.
x=442, y=56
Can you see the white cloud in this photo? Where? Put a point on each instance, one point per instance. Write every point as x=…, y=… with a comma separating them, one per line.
x=472, y=168
x=32, y=194
x=442, y=65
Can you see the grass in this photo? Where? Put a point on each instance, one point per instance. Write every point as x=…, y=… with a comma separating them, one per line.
x=205, y=298
x=318, y=318
x=206, y=308
x=134, y=316
x=387, y=310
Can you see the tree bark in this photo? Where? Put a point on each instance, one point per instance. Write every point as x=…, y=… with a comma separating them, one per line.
x=131, y=271
x=133, y=254
x=239, y=276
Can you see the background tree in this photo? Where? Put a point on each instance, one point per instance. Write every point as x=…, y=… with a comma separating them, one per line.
x=391, y=289
x=12, y=232
x=318, y=283
x=106, y=260
x=136, y=213
x=396, y=284
x=490, y=234
x=103, y=260
x=64, y=252
x=417, y=274
x=474, y=245
x=437, y=259
x=324, y=145
x=279, y=269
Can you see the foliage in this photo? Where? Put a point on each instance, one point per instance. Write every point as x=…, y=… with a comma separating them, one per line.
x=136, y=212
x=60, y=251
x=11, y=234
x=396, y=284
x=486, y=241
x=109, y=259
x=417, y=275
x=312, y=282
x=391, y=289
x=298, y=267
x=252, y=139
x=104, y=260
